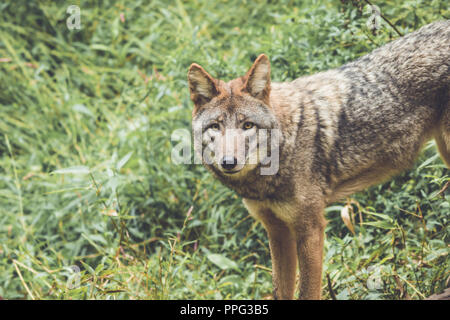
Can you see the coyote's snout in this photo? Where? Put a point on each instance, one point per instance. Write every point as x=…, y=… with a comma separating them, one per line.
x=238, y=151
x=289, y=149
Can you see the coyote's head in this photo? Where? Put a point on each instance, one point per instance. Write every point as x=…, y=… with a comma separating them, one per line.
x=235, y=129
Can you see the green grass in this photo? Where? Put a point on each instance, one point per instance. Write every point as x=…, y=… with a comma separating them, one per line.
x=86, y=178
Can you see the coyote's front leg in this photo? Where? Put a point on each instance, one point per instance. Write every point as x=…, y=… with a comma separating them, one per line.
x=309, y=233
x=283, y=250
x=283, y=253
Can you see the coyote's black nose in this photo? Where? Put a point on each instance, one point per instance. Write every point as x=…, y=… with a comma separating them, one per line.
x=228, y=163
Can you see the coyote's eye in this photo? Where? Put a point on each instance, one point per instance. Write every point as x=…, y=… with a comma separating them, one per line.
x=248, y=125
x=214, y=126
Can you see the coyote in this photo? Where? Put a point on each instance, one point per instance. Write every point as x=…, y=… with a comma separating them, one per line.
x=340, y=131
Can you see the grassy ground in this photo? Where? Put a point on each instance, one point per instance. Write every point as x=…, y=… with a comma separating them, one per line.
x=86, y=180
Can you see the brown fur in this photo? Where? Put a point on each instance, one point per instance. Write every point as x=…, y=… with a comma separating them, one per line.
x=341, y=131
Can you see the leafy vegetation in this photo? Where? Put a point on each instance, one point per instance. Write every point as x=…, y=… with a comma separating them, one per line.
x=86, y=178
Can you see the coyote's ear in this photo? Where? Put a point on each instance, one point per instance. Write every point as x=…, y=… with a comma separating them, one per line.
x=258, y=78
x=201, y=85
